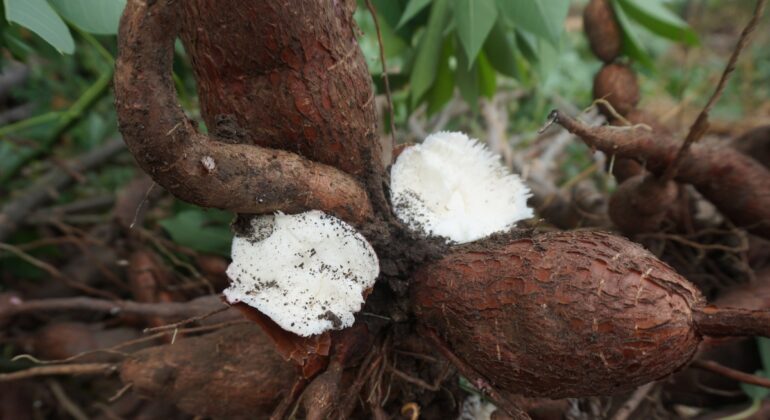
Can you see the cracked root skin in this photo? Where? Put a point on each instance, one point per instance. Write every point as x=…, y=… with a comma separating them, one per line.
x=288, y=74
x=232, y=373
x=210, y=171
x=564, y=314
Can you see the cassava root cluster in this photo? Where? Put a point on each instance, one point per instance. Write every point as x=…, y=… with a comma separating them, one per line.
x=556, y=314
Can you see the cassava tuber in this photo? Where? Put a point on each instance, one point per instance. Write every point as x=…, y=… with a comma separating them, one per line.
x=736, y=184
x=602, y=29
x=232, y=173
x=640, y=203
x=755, y=143
x=231, y=373
x=568, y=314
x=617, y=84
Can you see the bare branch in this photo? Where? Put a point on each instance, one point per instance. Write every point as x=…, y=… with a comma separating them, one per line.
x=731, y=373
x=73, y=369
x=701, y=124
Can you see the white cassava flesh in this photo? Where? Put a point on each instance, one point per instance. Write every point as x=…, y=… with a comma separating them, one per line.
x=308, y=272
x=455, y=187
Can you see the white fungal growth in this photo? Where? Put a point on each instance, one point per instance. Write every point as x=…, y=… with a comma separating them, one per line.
x=208, y=163
x=308, y=272
x=455, y=187
x=474, y=408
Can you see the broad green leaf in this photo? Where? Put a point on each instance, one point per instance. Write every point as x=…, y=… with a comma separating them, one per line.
x=474, y=19
x=391, y=43
x=412, y=9
x=544, y=18
x=467, y=80
x=199, y=230
x=443, y=89
x=656, y=17
x=39, y=17
x=500, y=52
x=94, y=16
x=487, y=78
x=527, y=44
x=428, y=51
x=389, y=10
x=547, y=59
x=632, y=47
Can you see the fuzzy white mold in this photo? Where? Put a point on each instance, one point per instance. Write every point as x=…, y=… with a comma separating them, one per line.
x=455, y=187
x=474, y=408
x=307, y=272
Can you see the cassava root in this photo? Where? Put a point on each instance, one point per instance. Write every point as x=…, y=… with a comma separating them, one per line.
x=735, y=183
x=569, y=314
x=206, y=170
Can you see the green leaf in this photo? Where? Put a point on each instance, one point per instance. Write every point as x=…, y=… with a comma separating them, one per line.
x=412, y=9
x=547, y=59
x=94, y=16
x=39, y=17
x=544, y=18
x=655, y=16
x=388, y=10
x=527, y=44
x=200, y=230
x=467, y=80
x=632, y=47
x=443, y=88
x=764, y=352
x=500, y=52
x=474, y=19
x=487, y=76
x=428, y=51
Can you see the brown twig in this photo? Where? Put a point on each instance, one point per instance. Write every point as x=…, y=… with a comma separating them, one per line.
x=176, y=325
x=16, y=210
x=69, y=370
x=288, y=400
x=373, y=12
x=115, y=350
x=435, y=386
x=701, y=124
x=65, y=401
x=54, y=272
x=731, y=373
x=114, y=307
x=633, y=402
x=121, y=392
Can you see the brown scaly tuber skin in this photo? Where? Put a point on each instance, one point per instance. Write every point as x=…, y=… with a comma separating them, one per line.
x=736, y=184
x=568, y=314
x=211, y=171
x=617, y=84
x=308, y=82
x=231, y=373
x=641, y=202
x=602, y=30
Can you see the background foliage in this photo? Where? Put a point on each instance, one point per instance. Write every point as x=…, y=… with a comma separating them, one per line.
x=439, y=53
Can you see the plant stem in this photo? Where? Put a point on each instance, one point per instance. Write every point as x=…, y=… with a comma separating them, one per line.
x=701, y=124
x=62, y=120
